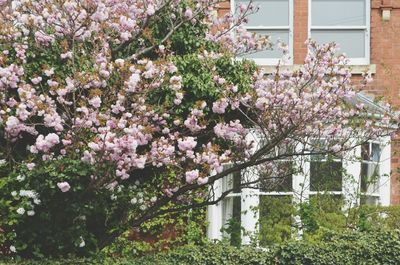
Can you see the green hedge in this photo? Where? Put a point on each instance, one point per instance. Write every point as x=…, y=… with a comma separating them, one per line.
x=345, y=248
x=379, y=247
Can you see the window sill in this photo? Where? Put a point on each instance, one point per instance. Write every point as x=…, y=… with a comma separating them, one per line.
x=355, y=69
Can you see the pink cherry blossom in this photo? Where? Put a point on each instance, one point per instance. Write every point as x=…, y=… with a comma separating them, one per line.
x=220, y=106
x=187, y=144
x=30, y=166
x=191, y=176
x=189, y=13
x=64, y=186
x=95, y=102
x=36, y=80
x=49, y=72
x=150, y=10
x=202, y=181
x=46, y=143
x=66, y=55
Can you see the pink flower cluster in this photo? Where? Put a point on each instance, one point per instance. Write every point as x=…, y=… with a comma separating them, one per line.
x=64, y=186
x=45, y=143
x=234, y=131
x=220, y=106
x=187, y=145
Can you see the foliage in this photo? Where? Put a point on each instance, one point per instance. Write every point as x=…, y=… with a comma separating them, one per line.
x=21, y=191
x=369, y=218
x=343, y=248
x=348, y=248
x=160, y=234
x=87, y=218
x=321, y=215
x=323, y=211
x=276, y=219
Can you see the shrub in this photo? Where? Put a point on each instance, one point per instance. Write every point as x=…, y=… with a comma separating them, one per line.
x=276, y=219
x=379, y=247
x=368, y=217
x=350, y=248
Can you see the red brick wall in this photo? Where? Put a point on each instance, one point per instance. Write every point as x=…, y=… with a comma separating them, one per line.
x=224, y=7
x=385, y=54
x=300, y=30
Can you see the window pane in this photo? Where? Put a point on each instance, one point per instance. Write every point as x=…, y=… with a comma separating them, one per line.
x=375, y=152
x=365, y=152
x=231, y=208
x=282, y=35
x=370, y=152
x=279, y=184
x=338, y=12
x=368, y=200
x=326, y=176
x=276, y=219
x=232, y=181
x=369, y=177
x=236, y=178
x=351, y=42
x=271, y=13
x=282, y=182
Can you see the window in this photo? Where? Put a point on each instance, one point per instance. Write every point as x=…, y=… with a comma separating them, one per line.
x=345, y=22
x=370, y=158
x=329, y=182
x=231, y=208
x=326, y=175
x=326, y=171
x=278, y=183
x=274, y=19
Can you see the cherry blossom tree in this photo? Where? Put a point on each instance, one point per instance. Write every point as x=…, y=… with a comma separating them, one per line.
x=116, y=112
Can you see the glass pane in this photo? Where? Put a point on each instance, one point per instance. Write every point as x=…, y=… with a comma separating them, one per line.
x=326, y=176
x=369, y=177
x=365, y=152
x=368, y=200
x=375, y=152
x=285, y=148
x=282, y=35
x=271, y=13
x=281, y=182
x=276, y=219
x=231, y=208
x=232, y=181
x=338, y=12
x=351, y=42
x=370, y=152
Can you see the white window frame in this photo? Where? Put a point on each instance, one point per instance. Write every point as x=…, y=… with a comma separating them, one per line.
x=366, y=28
x=273, y=61
x=301, y=185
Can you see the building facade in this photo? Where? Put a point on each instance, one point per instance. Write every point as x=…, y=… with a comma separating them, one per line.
x=368, y=31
